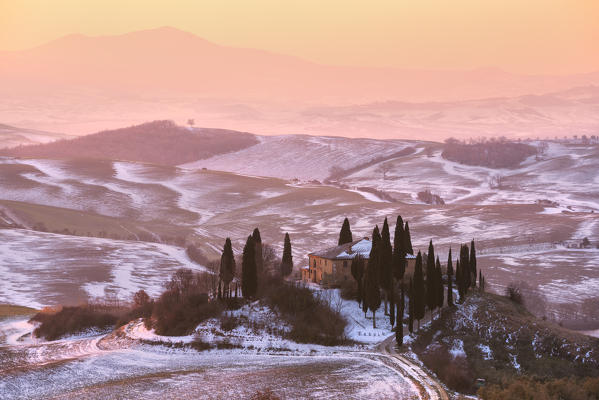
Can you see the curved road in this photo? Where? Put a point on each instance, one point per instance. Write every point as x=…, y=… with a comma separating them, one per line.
x=47, y=353
x=428, y=386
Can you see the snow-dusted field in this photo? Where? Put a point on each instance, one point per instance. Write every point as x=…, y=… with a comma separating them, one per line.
x=158, y=373
x=300, y=156
x=516, y=239
x=566, y=174
x=40, y=269
x=133, y=201
x=104, y=366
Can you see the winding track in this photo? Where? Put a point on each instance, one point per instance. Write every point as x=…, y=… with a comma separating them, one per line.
x=39, y=354
x=429, y=387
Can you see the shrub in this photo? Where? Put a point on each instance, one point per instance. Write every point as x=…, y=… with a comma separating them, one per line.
x=196, y=255
x=177, y=315
x=454, y=372
x=183, y=305
x=72, y=320
x=227, y=323
x=428, y=197
x=311, y=317
x=142, y=308
x=514, y=293
x=349, y=290
x=233, y=303
x=199, y=345
x=530, y=388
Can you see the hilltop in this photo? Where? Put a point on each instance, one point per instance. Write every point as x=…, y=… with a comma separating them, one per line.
x=158, y=142
x=492, y=338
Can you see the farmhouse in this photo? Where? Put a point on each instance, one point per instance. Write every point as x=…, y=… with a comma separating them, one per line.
x=332, y=266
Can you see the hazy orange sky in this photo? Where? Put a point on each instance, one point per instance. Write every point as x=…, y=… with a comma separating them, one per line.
x=530, y=36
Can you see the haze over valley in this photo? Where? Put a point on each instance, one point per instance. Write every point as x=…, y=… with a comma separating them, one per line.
x=216, y=200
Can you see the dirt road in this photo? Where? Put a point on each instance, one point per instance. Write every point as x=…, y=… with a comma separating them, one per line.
x=428, y=386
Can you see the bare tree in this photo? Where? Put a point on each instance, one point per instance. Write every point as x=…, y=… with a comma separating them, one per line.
x=496, y=181
x=542, y=150
x=269, y=258
x=384, y=168
x=191, y=122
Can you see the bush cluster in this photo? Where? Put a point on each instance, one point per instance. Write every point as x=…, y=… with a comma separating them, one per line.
x=493, y=154
x=553, y=389
x=183, y=305
x=311, y=318
x=72, y=320
x=454, y=372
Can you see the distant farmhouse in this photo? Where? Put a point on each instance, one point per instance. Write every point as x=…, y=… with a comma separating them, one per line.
x=332, y=266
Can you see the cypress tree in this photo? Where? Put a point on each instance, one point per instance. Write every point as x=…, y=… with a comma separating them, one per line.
x=399, y=326
x=407, y=240
x=373, y=292
x=392, y=307
x=459, y=280
x=364, y=297
x=385, y=262
x=419, y=290
x=439, y=286
x=449, y=280
x=399, y=254
x=258, y=251
x=480, y=280
x=372, y=295
x=465, y=267
x=287, y=260
x=431, y=280
x=227, y=268
x=357, y=271
x=402, y=305
x=249, y=280
x=472, y=262
x=374, y=258
x=411, y=308
x=399, y=317
x=345, y=235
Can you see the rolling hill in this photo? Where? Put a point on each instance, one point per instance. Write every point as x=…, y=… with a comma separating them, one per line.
x=493, y=338
x=158, y=142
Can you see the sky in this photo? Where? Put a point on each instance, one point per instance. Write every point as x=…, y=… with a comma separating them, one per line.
x=531, y=36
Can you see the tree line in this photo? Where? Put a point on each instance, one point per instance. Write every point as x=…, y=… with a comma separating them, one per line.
x=382, y=278
x=252, y=267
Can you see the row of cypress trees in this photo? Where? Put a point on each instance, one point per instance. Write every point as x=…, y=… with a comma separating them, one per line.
x=381, y=278
x=377, y=278
x=252, y=265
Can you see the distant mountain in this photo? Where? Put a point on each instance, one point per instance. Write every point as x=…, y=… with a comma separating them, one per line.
x=167, y=61
x=158, y=142
x=80, y=84
x=11, y=136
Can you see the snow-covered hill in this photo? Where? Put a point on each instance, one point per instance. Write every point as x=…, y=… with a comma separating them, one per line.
x=301, y=156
